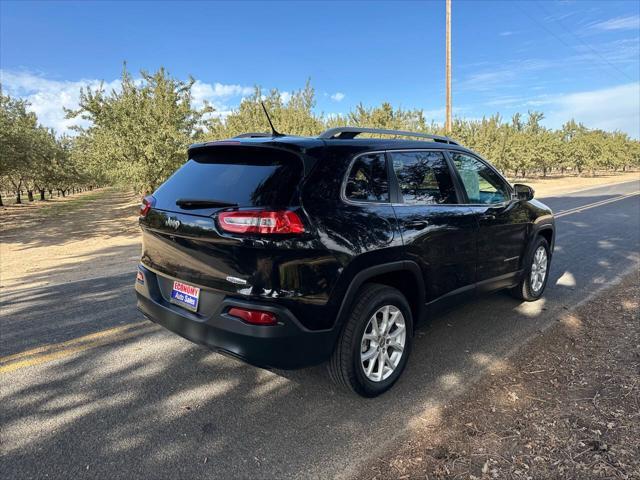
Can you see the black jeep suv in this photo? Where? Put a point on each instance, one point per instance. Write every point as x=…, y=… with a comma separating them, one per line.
x=290, y=251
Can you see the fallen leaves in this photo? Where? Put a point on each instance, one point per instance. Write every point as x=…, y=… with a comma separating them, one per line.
x=568, y=406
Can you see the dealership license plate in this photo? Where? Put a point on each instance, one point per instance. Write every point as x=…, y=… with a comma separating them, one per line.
x=187, y=296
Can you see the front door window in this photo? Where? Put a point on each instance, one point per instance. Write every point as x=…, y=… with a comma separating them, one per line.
x=482, y=185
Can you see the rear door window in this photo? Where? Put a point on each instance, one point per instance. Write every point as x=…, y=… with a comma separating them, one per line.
x=242, y=176
x=367, y=180
x=424, y=178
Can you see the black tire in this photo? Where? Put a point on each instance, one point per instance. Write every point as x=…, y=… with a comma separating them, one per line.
x=524, y=290
x=345, y=367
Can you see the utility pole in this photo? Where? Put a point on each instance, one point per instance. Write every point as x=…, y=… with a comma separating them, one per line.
x=448, y=124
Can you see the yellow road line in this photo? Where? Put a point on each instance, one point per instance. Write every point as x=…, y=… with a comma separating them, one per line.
x=50, y=352
x=563, y=213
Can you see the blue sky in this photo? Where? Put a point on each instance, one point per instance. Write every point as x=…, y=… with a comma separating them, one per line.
x=568, y=58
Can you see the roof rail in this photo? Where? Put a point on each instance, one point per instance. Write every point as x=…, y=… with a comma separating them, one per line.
x=352, y=132
x=254, y=135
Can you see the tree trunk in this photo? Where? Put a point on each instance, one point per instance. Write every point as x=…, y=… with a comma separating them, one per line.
x=62, y=193
x=30, y=195
x=50, y=193
x=18, y=199
x=1, y=204
x=544, y=172
x=42, y=194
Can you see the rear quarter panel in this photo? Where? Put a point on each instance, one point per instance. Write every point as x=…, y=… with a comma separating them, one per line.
x=355, y=236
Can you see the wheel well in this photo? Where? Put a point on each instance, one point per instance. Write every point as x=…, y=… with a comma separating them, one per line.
x=547, y=233
x=405, y=282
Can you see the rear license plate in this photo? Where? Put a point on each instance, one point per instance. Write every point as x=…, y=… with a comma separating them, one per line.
x=185, y=296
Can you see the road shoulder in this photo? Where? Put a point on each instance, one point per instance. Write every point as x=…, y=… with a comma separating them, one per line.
x=554, y=186
x=566, y=405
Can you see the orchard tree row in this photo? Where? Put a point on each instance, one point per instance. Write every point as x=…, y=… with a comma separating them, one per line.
x=33, y=161
x=137, y=135
x=521, y=146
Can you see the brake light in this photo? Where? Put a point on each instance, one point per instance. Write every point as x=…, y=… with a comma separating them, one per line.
x=255, y=317
x=261, y=221
x=147, y=203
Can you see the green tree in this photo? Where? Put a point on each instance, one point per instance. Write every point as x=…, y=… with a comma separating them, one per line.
x=18, y=129
x=138, y=135
x=291, y=113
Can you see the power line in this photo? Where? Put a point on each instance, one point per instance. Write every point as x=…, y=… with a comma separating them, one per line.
x=577, y=37
x=561, y=40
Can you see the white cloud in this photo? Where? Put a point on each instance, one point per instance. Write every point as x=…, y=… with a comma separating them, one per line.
x=617, y=58
x=338, y=96
x=333, y=115
x=493, y=78
x=615, y=108
x=217, y=94
x=48, y=97
x=285, y=97
x=631, y=22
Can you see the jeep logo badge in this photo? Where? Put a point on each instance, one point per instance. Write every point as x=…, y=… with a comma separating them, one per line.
x=172, y=222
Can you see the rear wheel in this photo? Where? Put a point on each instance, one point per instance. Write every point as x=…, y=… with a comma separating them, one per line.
x=535, y=276
x=375, y=343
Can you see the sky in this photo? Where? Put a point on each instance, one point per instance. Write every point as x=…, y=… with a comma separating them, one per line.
x=568, y=59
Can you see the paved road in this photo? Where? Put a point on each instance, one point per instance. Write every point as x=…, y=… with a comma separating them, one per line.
x=141, y=402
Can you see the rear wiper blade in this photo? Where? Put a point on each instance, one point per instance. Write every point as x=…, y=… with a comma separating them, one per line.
x=195, y=203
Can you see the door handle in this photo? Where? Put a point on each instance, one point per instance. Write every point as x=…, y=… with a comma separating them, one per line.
x=417, y=224
x=488, y=216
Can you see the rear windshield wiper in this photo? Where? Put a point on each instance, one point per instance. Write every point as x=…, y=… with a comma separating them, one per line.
x=196, y=203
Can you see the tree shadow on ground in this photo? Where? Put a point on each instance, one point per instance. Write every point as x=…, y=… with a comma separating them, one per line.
x=156, y=406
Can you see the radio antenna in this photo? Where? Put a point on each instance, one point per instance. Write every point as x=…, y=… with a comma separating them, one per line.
x=274, y=132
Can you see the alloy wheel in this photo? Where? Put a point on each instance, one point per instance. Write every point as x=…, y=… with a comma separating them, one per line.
x=538, y=269
x=383, y=343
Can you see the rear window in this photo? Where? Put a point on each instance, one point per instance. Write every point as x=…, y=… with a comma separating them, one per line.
x=367, y=181
x=245, y=176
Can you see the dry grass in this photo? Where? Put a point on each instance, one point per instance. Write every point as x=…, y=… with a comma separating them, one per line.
x=566, y=406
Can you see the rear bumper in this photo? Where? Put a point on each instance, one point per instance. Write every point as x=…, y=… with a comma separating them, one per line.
x=287, y=345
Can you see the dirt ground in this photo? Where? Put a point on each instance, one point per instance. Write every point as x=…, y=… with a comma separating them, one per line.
x=61, y=240
x=567, y=405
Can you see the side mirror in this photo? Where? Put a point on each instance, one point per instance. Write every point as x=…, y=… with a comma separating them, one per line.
x=523, y=192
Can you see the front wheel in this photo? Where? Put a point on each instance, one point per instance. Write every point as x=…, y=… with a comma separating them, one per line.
x=535, y=275
x=375, y=343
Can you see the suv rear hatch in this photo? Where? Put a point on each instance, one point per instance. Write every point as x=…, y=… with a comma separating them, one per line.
x=182, y=233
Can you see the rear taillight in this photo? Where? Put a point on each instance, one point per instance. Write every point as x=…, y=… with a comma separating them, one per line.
x=261, y=221
x=254, y=317
x=147, y=203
